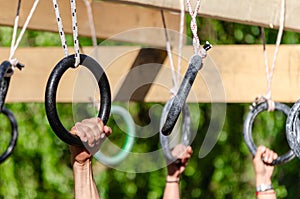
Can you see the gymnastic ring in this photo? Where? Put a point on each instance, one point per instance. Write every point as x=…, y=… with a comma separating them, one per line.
x=14, y=134
x=247, y=130
x=126, y=148
x=180, y=98
x=4, y=81
x=186, y=132
x=292, y=129
x=51, y=89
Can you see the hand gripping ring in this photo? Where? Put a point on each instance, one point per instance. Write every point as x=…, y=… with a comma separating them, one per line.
x=14, y=134
x=51, y=89
x=292, y=129
x=179, y=100
x=186, y=132
x=130, y=131
x=247, y=130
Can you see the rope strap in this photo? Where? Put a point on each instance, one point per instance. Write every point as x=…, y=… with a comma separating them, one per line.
x=175, y=79
x=270, y=70
x=16, y=41
x=196, y=42
x=74, y=29
x=193, y=25
x=75, y=32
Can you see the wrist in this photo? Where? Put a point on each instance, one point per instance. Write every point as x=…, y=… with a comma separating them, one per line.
x=263, y=180
x=81, y=164
x=80, y=157
x=173, y=178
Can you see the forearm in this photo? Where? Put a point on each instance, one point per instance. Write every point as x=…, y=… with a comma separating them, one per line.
x=85, y=187
x=172, y=189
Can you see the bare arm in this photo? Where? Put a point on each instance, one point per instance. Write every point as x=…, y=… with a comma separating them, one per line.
x=172, y=189
x=264, y=171
x=91, y=132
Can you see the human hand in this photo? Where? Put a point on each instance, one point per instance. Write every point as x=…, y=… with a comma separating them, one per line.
x=183, y=154
x=262, y=165
x=92, y=133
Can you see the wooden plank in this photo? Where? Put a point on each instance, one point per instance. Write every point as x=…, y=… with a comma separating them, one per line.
x=231, y=73
x=144, y=70
x=110, y=19
x=255, y=12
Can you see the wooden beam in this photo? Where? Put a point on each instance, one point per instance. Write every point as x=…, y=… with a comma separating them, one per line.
x=231, y=73
x=151, y=61
x=110, y=20
x=255, y=12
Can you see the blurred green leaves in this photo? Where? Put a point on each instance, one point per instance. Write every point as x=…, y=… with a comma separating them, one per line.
x=39, y=166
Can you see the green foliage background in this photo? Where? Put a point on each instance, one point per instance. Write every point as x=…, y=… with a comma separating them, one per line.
x=40, y=168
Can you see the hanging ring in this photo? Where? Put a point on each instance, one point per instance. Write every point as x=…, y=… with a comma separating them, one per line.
x=51, y=89
x=292, y=129
x=6, y=71
x=180, y=98
x=247, y=130
x=130, y=131
x=14, y=134
x=4, y=81
x=186, y=132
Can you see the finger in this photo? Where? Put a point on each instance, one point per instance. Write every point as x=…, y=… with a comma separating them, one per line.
x=182, y=168
x=92, y=131
x=107, y=130
x=97, y=130
x=261, y=150
x=95, y=127
x=273, y=156
x=189, y=150
x=259, y=153
x=79, y=131
x=185, y=161
x=186, y=155
x=73, y=130
x=269, y=156
x=265, y=156
x=88, y=134
x=100, y=121
x=104, y=130
x=94, y=123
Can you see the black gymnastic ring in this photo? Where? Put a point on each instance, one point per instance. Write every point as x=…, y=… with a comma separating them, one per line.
x=186, y=132
x=4, y=84
x=51, y=89
x=292, y=129
x=247, y=130
x=14, y=134
x=180, y=98
x=4, y=81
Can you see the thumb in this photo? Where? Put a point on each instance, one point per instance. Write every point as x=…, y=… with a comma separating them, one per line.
x=259, y=152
